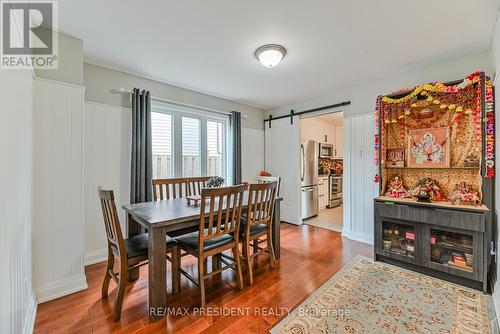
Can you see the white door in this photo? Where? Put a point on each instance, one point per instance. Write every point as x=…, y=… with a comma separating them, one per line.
x=359, y=173
x=282, y=158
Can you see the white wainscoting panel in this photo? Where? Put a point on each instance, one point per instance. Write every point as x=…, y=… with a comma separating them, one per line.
x=252, y=153
x=359, y=175
x=17, y=302
x=58, y=229
x=107, y=146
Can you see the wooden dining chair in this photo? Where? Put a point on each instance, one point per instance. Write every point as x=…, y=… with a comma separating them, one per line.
x=267, y=179
x=178, y=187
x=257, y=223
x=131, y=253
x=220, y=214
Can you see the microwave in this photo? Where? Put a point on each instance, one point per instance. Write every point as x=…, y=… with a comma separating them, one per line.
x=326, y=151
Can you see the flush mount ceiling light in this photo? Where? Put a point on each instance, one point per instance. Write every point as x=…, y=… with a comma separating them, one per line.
x=270, y=55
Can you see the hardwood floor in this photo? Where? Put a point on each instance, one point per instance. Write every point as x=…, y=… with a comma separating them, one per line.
x=309, y=257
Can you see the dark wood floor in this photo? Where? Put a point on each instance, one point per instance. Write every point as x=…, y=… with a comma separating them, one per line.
x=310, y=256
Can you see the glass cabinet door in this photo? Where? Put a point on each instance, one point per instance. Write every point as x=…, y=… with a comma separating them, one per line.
x=399, y=239
x=451, y=249
x=455, y=251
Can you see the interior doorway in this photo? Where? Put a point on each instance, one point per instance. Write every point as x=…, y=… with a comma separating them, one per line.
x=321, y=174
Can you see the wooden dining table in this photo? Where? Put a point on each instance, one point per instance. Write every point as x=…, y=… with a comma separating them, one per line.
x=161, y=217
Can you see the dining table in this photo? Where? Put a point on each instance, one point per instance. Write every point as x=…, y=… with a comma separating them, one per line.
x=170, y=215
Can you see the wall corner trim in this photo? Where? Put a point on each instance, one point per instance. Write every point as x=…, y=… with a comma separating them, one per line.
x=29, y=323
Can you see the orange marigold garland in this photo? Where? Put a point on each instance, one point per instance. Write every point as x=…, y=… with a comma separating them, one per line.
x=377, y=140
x=490, y=132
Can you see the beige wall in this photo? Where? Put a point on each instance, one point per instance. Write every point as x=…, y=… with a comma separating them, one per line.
x=70, y=58
x=100, y=82
x=363, y=96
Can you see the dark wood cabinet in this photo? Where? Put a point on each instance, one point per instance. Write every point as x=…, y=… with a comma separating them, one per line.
x=447, y=242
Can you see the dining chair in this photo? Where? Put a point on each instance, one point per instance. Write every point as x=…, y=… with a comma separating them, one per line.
x=178, y=187
x=257, y=223
x=131, y=252
x=181, y=187
x=220, y=214
x=267, y=179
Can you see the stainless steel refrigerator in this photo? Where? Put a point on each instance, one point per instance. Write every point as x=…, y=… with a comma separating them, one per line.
x=309, y=178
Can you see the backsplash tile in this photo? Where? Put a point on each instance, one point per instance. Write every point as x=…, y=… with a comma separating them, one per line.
x=326, y=166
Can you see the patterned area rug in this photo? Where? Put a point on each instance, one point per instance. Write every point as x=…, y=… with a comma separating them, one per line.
x=374, y=297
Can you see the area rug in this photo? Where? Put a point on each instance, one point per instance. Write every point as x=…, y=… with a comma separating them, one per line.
x=374, y=297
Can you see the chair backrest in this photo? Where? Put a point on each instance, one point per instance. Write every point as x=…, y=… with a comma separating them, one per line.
x=224, y=212
x=178, y=187
x=261, y=198
x=111, y=220
x=267, y=179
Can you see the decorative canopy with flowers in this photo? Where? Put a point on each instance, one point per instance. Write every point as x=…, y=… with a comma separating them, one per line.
x=460, y=109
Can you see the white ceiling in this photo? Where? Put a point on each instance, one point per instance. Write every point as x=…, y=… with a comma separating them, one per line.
x=208, y=46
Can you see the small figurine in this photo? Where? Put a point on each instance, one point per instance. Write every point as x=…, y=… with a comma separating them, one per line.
x=397, y=189
x=428, y=188
x=464, y=194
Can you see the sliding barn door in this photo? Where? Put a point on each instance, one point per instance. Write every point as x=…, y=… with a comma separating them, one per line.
x=282, y=158
x=359, y=172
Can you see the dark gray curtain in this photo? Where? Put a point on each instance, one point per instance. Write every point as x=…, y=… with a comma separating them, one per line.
x=236, y=137
x=142, y=160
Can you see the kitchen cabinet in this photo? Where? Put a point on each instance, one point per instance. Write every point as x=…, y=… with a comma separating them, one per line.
x=323, y=192
x=313, y=129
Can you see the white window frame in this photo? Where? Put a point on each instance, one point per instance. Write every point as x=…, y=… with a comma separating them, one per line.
x=177, y=112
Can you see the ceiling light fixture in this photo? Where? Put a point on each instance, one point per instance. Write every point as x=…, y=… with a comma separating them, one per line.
x=270, y=55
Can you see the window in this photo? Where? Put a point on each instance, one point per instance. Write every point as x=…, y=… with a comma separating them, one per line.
x=161, y=132
x=191, y=147
x=215, y=148
x=188, y=143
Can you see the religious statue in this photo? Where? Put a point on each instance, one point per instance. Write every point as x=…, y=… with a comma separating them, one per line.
x=465, y=195
x=397, y=189
x=428, y=188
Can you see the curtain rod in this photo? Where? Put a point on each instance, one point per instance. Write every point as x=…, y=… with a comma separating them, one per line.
x=177, y=103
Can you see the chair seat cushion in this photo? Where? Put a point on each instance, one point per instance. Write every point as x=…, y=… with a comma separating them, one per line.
x=137, y=245
x=191, y=240
x=256, y=229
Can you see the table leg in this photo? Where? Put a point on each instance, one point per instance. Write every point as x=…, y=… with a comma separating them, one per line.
x=276, y=228
x=157, y=272
x=133, y=228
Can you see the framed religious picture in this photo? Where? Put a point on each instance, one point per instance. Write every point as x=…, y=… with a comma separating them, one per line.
x=429, y=148
x=395, y=157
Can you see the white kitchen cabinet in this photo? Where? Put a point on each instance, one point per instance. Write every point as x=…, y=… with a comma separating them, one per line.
x=313, y=129
x=323, y=192
x=339, y=142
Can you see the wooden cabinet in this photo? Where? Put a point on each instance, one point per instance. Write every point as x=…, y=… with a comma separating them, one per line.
x=446, y=242
x=323, y=192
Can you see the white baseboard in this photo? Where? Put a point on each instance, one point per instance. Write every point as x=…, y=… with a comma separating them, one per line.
x=61, y=288
x=29, y=322
x=360, y=237
x=95, y=256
